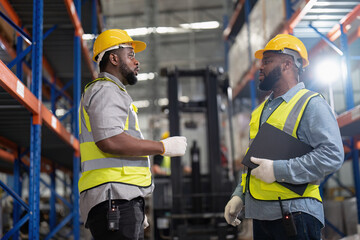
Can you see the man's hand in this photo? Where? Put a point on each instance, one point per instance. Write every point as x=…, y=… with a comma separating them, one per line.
x=265, y=170
x=174, y=146
x=146, y=223
x=232, y=209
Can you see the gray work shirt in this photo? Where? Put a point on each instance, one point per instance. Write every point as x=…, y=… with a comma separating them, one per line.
x=107, y=107
x=318, y=128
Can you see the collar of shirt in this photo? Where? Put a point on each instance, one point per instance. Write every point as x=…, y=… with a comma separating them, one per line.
x=112, y=77
x=289, y=94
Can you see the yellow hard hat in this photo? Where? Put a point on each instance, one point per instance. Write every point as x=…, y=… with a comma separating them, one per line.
x=166, y=134
x=113, y=37
x=282, y=42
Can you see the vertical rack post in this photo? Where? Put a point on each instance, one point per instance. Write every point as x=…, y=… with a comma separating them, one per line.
x=77, y=88
x=252, y=82
x=19, y=47
x=35, y=131
x=17, y=189
x=52, y=199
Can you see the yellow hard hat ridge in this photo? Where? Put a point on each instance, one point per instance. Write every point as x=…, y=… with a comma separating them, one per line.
x=285, y=41
x=113, y=37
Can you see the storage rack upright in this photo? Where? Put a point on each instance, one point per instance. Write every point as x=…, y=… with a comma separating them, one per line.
x=32, y=137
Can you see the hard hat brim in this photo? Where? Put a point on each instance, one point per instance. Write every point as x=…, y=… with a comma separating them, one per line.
x=138, y=46
x=259, y=53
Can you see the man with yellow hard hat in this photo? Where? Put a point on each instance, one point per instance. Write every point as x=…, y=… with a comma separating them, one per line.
x=277, y=212
x=115, y=166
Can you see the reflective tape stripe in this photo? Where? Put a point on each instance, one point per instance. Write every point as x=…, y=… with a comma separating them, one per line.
x=89, y=151
x=294, y=113
x=113, y=163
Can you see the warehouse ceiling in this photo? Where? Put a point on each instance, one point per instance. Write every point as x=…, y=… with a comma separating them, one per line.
x=184, y=48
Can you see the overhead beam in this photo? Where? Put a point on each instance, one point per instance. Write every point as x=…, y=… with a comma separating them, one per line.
x=336, y=32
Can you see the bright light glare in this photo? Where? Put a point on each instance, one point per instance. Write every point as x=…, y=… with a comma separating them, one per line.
x=201, y=25
x=145, y=76
x=88, y=36
x=163, y=101
x=328, y=71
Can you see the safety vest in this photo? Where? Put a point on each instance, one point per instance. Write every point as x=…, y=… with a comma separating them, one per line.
x=285, y=117
x=98, y=167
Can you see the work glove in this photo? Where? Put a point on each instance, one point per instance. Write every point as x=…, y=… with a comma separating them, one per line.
x=146, y=223
x=232, y=209
x=174, y=146
x=265, y=170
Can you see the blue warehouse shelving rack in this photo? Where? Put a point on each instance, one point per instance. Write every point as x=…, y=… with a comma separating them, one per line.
x=43, y=74
x=322, y=25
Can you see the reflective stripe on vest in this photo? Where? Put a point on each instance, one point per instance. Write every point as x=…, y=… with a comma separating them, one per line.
x=287, y=118
x=98, y=167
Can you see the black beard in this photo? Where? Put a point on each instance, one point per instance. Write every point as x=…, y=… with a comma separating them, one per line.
x=131, y=78
x=269, y=81
x=128, y=74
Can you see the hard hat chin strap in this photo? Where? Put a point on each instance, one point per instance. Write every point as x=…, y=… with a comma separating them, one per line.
x=297, y=58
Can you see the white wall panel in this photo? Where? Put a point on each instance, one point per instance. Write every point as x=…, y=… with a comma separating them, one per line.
x=239, y=57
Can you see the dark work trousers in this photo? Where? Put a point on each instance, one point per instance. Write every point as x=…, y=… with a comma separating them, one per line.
x=130, y=224
x=307, y=226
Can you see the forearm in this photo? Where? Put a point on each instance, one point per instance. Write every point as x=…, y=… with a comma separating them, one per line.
x=319, y=129
x=310, y=167
x=124, y=144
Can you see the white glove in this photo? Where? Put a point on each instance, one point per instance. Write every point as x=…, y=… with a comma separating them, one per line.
x=265, y=170
x=174, y=146
x=232, y=209
x=146, y=223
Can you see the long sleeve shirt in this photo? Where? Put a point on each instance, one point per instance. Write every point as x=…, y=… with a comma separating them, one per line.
x=318, y=128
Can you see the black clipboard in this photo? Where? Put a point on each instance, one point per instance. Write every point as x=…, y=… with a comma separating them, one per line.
x=272, y=143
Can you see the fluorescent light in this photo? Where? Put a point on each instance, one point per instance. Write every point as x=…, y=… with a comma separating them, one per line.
x=201, y=25
x=185, y=99
x=141, y=103
x=163, y=101
x=145, y=76
x=88, y=36
x=186, y=27
x=139, y=31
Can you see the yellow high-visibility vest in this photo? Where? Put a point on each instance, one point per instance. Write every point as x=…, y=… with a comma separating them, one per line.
x=98, y=167
x=286, y=117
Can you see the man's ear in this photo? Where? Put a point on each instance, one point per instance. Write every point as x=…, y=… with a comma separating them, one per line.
x=287, y=64
x=113, y=58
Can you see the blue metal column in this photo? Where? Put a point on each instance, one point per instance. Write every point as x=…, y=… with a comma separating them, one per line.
x=355, y=164
x=52, y=199
x=77, y=89
x=17, y=189
x=35, y=131
x=346, y=69
x=19, y=47
x=252, y=82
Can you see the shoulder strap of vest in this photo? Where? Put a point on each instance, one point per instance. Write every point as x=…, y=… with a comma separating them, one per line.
x=104, y=79
x=292, y=119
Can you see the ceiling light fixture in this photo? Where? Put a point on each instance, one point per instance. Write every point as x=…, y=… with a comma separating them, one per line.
x=201, y=25
x=146, y=76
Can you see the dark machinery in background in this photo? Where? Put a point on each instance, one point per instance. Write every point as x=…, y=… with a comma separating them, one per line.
x=191, y=207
